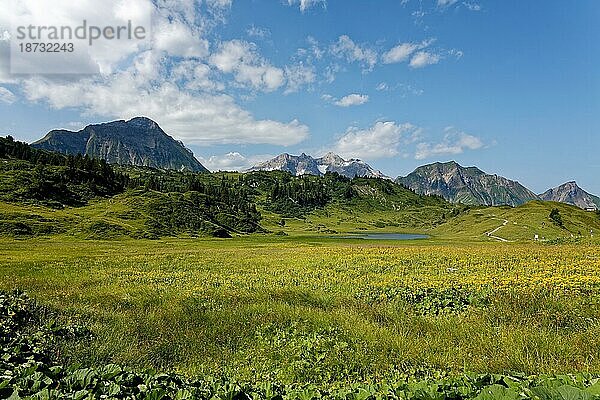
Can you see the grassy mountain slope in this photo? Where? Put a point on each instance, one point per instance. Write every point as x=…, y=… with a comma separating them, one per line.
x=524, y=222
x=153, y=203
x=45, y=193
x=135, y=214
x=378, y=205
x=145, y=213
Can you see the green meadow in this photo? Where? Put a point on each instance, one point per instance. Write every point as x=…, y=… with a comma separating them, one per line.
x=317, y=310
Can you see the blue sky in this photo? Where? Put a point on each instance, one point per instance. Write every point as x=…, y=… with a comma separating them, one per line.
x=510, y=86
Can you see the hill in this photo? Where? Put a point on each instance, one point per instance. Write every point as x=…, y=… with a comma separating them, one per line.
x=523, y=223
x=139, y=141
x=31, y=175
x=469, y=185
x=45, y=193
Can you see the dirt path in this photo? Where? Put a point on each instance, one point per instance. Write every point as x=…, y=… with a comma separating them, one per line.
x=491, y=233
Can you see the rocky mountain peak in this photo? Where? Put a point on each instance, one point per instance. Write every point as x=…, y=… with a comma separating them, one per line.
x=139, y=141
x=332, y=158
x=306, y=164
x=143, y=122
x=571, y=193
x=468, y=185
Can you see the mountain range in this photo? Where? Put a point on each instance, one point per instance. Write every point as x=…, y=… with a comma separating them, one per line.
x=467, y=185
x=450, y=180
x=470, y=185
x=330, y=162
x=139, y=141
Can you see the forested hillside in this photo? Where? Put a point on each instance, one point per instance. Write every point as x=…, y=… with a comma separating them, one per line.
x=29, y=174
x=45, y=192
x=170, y=203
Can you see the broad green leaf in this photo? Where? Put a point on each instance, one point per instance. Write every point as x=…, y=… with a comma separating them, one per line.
x=497, y=392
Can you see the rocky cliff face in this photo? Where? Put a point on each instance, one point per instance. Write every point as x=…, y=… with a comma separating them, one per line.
x=350, y=168
x=571, y=193
x=305, y=164
x=468, y=185
x=139, y=141
x=295, y=165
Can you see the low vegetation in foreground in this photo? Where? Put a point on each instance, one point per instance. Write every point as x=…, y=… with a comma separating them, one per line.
x=29, y=338
x=306, y=318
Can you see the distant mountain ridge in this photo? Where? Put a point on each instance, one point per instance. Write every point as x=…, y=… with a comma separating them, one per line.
x=468, y=185
x=139, y=141
x=571, y=193
x=330, y=162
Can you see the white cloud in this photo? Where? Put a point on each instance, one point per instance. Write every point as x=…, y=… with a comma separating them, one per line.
x=6, y=96
x=249, y=68
x=353, y=99
x=214, y=12
x=406, y=90
x=445, y=3
x=181, y=10
x=104, y=55
x=147, y=65
x=258, y=32
x=73, y=125
x=382, y=140
x=232, y=161
x=195, y=118
x=219, y=3
x=403, y=88
x=416, y=53
x=264, y=77
x=455, y=53
x=178, y=39
x=454, y=142
x=310, y=54
x=230, y=55
x=196, y=75
x=298, y=76
x=382, y=87
x=331, y=72
x=471, y=6
x=403, y=51
x=424, y=58
x=399, y=53
x=352, y=52
x=314, y=48
x=306, y=4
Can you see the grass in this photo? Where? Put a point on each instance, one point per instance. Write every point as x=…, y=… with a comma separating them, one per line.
x=524, y=222
x=30, y=333
x=310, y=309
x=377, y=206
x=471, y=224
